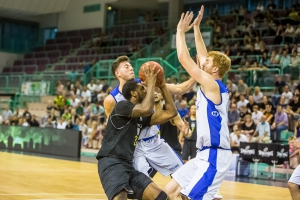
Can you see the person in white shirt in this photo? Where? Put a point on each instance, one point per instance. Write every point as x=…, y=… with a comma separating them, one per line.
x=86, y=95
x=74, y=102
x=262, y=132
x=92, y=86
x=25, y=122
x=287, y=94
x=61, y=124
x=289, y=31
x=237, y=138
x=242, y=102
x=260, y=7
x=232, y=134
x=258, y=95
x=99, y=86
x=256, y=115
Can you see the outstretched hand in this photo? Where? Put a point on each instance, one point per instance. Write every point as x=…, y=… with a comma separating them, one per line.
x=184, y=24
x=198, y=19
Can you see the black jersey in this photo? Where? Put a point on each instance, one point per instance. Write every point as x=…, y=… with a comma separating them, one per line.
x=170, y=134
x=122, y=132
x=193, y=127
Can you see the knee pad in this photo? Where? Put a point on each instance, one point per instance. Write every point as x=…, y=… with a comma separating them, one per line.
x=162, y=196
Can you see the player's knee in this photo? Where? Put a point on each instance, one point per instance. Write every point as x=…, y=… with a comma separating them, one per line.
x=171, y=190
x=162, y=196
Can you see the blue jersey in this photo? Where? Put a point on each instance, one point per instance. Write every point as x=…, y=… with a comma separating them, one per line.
x=212, y=128
x=146, y=132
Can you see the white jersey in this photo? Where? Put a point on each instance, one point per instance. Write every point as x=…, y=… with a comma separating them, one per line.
x=145, y=133
x=212, y=128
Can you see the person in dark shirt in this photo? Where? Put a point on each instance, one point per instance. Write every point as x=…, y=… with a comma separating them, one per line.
x=243, y=113
x=279, y=85
x=127, y=119
x=293, y=111
x=26, y=113
x=33, y=122
x=269, y=113
x=189, y=145
x=251, y=103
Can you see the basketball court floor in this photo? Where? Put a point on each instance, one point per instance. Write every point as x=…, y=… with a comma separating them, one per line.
x=27, y=177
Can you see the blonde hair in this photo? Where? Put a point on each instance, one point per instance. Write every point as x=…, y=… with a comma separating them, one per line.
x=220, y=60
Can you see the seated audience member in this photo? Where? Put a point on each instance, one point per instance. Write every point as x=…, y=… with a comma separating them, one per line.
x=17, y=113
x=26, y=113
x=67, y=115
x=288, y=95
x=248, y=127
x=50, y=106
x=242, y=102
x=242, y=87
x=233, y=115
x=61, y=124
x=95, y=137
x=280, y=124
x=269, y=113
x=275, y=58
x=86, y=95
x=76, y=124
x=251, y=103
x=231, y=86
x=25, y=122
x=244, y=111
x=279, y=84
x=256, y=114
x=69, y=124
x=105, y=86
x=262, y=105
x=262, y=132
x=33, y=122
x=49, y=123
x=183, y=110
x=293, y=111
x=258, y=95
x=74, y=101
x=7, y=114
x=282, y=102
x=237, y=138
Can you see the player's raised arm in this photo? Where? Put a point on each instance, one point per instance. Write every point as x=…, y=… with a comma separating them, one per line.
x=200, y=45
x=162, y=116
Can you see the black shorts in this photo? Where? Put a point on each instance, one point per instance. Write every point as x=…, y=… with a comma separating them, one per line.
x=189, y=149
x=116, y=175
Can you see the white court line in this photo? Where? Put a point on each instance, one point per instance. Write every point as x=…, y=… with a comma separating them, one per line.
x=50, y=194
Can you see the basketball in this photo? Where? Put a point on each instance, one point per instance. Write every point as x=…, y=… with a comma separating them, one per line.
x=160, y=76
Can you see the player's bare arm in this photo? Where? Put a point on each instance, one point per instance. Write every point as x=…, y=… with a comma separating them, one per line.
x=146, y=107
x=162, y=116
x=206, y=80
x=181, y=88
x=108, y=104
x=182, y=125
x=200, y=45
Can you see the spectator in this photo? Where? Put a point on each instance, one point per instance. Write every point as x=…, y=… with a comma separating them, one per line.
x=262, y=132
x=105, y=86
x=293, y=86
x=189, y=95
x=178, y=101
x=260, y=7
x=76, y=124
x=99, y=86
x=86, y=95
x=265, y=60
x=6, y=114
x=256, y=114
x=52, y=115
x=271, y=6
x=248, y=127
x=183, y=111
x=74, y=102
x=293, y=15
x=242, y=87
x=279, y=34
x=280, y=123
x=95, y=136
x=288, y=96
x=89, y=66
x=262, y=105
x=275, y=58
x=87, y=110
x=237, y=138
x=33, y=122
x=17, y=113
x=233, y=115
x=243, y=113
x=50, y=106
x=269, y=113
x=251, y=103
x=279, y=84
x=293, y=111
x=73, y=75
x=231, y=86
x=258, y=95
x=69, y=125
x=242, y=102
x=61, y=123
x=49, y=123
x=285, y=60
x=59, y=88
x=26, y=113
x=297, y=34
x=25, y=122
x=287, y=48
x=91, y=86
x=293, y=67
x=59, y=103
x=67, y=115
x=282, y=102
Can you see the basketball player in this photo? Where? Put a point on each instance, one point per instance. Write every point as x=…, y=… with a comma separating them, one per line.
x=124, y=125
x=189, y=145
x=294, y=182
x=201, y=177
x=150, y=148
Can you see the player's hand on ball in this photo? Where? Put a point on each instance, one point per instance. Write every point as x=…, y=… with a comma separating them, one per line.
x=184, y=24
x=198, y=19
x=150, y=75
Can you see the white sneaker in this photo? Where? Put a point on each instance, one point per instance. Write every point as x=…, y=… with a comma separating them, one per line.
x=218, y=196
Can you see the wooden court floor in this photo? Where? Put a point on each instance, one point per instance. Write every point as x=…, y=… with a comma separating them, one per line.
x=37, y=178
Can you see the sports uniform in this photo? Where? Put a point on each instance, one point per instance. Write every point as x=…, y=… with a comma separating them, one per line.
x=201, y=177
x=151, y=150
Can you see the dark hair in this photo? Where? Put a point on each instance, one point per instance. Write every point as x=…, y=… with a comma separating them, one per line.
x=117, y=62
x=127, y=88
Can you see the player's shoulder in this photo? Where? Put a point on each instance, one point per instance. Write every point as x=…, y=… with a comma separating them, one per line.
x=109, y=101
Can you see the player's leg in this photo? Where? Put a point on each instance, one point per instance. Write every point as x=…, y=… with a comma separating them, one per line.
x=294, y=183
x=121, y=196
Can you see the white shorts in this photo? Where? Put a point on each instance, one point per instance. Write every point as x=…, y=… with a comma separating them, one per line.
x=295, y=178
x=201, y=177
x=155, y=153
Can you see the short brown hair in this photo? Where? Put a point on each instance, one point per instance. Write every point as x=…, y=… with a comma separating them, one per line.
x=222, y=61
x=117, y=62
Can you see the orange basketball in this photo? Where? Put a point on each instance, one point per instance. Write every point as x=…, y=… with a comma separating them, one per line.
x=160, y=76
